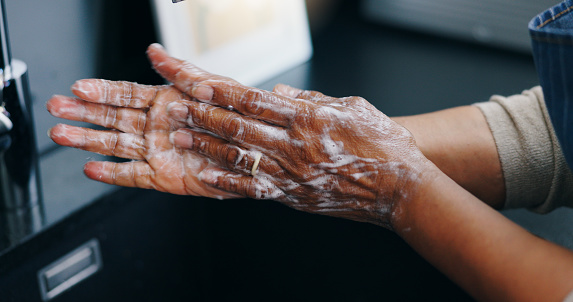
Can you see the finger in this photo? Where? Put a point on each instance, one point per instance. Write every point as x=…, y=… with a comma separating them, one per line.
x=140, y=174
x=252, y=187
x=231, y=126
x=286, y=90
x=130, y=174
x=223, y=91
x=123, y=94
x=111, y=143
x=181, y=73
x=226, y=155
x=252, y=102
x=309, y=95
x=127, y=120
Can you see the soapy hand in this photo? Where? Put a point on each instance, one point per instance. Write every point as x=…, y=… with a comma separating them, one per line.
x=335, y=156
x=139, y=130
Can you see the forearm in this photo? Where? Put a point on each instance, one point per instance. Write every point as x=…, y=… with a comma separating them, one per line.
x=486, y=254
x=460, y=143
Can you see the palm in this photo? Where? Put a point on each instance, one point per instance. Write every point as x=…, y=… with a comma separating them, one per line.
x=140, y=131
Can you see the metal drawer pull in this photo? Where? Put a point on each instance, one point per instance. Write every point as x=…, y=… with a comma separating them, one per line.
x=70, y=270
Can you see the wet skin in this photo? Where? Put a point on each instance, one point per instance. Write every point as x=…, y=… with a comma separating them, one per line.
x=203, y=135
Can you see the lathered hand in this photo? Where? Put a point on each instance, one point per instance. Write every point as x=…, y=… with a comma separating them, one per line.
x=339, y=157
x=139, y=130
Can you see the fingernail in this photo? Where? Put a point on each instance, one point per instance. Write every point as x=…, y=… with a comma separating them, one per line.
x=157, y=46
x=50, y=132
x=64, y=107
x=207, y=178
x=86, y=90
x=202, y=92
x=177, y=111
x=182, y=139
x=95, y=170
x=172, y=138
x=67, y=135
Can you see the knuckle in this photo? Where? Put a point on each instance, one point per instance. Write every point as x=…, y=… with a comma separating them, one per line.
x=183, y=75
x=316, y=96
x=141, y=177
x=125, y=96
x=236, y=129
x=279, y=88
x=111, y=117
x=304, y=94
x=233, y=184
x=114, y=144
x=363, y=106
x=311, y=95
x=265, y=189
x=200, y=145
x=357, y=101
x=235, y=158
x=198, y=114
x=250, y=188
x=115, y=174
x=140, y=127
x=251, y=100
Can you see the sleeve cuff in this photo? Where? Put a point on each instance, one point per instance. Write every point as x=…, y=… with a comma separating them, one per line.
x=534, y=168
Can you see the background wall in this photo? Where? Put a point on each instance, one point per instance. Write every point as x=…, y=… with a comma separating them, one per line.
x=62, y=41
x=66, y=40
x=57, y=39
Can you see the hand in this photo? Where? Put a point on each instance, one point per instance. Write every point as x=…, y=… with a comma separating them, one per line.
x=139, y=131
x=319, y=154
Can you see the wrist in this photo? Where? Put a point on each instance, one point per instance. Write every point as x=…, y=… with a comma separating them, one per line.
x=424, y=185
x=460, y=142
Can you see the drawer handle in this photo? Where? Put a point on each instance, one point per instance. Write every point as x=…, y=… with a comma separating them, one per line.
x=70, y=269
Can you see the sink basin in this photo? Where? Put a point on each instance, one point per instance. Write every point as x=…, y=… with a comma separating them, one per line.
x=162, y=247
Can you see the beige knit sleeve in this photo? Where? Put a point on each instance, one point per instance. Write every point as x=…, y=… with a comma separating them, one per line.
x=534, y=168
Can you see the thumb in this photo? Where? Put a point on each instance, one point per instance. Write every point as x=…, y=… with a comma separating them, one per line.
x=182, y=74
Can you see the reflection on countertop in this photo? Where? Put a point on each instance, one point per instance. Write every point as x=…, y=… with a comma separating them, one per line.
x=66, y=188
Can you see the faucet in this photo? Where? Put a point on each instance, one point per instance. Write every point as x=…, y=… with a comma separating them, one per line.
x=21, y=207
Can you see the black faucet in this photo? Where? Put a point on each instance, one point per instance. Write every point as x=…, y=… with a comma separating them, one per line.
x=21, y=207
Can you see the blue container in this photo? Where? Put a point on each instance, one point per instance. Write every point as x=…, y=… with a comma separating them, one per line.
x=552, y=40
